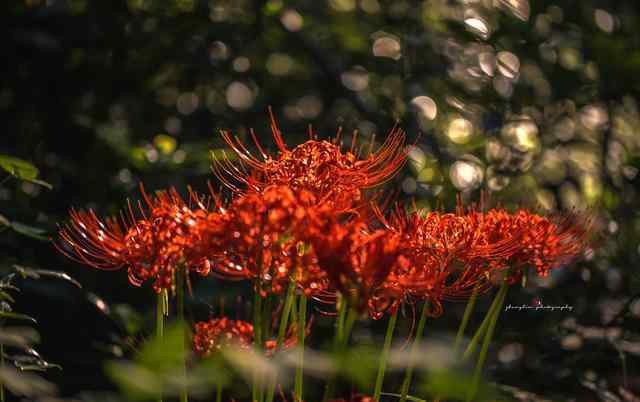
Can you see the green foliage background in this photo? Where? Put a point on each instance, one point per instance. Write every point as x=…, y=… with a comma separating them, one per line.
x=535, y=102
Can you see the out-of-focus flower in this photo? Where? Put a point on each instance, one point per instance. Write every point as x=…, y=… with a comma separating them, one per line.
x=318, y=166
x=169, y=233
x=218, y=333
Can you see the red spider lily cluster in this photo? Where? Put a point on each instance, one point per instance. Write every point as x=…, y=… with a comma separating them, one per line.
x=302, y=216
x=218, y=333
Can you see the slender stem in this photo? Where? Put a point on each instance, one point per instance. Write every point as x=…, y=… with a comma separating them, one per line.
x=266, y=317
x=342, y=315
x=483, y=327
x=352, y=315
x=486, y=342
x=218, y=393
x=406, y=383
x=282, y=331
x=160, y=313
x=180, y=282
x=465, y=319
x=257, y=334
x=301, y=334
x=384, y=356
x=337, y=342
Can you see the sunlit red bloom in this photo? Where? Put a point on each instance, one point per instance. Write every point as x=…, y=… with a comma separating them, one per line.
x=168, y=234
x=452, y=254
x=449, y=254
x=543, y=242
x=260, y=241
x=357, y=261
x=318, y=166
x=218, y=333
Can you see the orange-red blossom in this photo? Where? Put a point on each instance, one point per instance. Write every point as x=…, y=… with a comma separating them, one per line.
x=317, y=166
x=218, y=333
x=168, y=234
x=260, y=241
x=452, y=254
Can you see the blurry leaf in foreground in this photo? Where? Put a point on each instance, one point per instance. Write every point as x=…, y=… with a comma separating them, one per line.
x=249, y=363
x=25, y=384
x=158, y=367
x=20, y=337
x=449, y=384
x=360, y=365
x=136, y=381
x=164, y=354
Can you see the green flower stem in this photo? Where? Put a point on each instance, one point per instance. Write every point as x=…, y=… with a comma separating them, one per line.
x=301, y=334
x=282, y=332
x=337, y=341
x=257, y=336
x=471, y=303
x=384, y=356
x=267, y=317
x=161, y=309
x=486, y=342
x=180, y=282
x=406, y=383
x=218, y=393
x=483, y=327
x=352, y=315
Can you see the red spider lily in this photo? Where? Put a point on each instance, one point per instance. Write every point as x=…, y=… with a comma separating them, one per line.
x=356, y=261
x=449, y=256
x=318, y=166
x=260, y=241
x=218, y=333
x=453, y=254
x=169, y=233
x=543, y=242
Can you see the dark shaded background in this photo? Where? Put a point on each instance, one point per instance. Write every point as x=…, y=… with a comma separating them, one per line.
x=533, y=102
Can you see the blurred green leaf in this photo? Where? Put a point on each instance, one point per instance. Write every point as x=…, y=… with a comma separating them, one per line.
x=18, y=167
x=454, y=385
x=136, y=381
x=158, y=366
x=29, y=231
x=6, y=296
x=164, y=354
x=22, y=170
x=17, y=316
x=359, y=364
